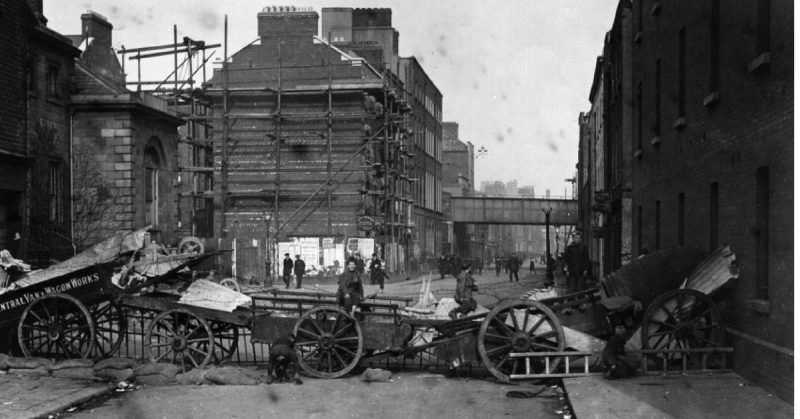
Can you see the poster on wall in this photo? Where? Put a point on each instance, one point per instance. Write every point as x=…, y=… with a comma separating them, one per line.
x=363, y=246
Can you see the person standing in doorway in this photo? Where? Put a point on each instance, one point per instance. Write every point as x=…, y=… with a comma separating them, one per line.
x=287, y=269
x=576, y=256
x=299, y=270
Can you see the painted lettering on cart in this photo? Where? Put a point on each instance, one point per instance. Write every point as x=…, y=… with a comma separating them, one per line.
x=29, y=297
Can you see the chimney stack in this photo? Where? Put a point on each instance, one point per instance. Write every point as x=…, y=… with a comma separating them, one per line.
x=287, y=22
x=95, y=25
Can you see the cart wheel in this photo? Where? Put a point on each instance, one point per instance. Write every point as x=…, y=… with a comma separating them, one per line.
x=518, y=326
x=226, y=341
x=181, y=337
x=110, y=325
x=681, y=319
x=231, y=283
x=191, y=245
x=56, y=325
x=329, y=342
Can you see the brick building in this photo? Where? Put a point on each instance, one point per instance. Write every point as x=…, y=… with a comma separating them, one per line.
x=458, y=161
x=34, y=135
x=705, y=153
x=313, y=151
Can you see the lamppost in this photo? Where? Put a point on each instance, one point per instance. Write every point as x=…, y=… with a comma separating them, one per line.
x=549, y=276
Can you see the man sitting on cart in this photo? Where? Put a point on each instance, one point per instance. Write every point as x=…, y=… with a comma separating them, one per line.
x=465, y=285
x=351, y=287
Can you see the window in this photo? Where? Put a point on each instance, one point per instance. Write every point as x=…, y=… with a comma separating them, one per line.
x=681, y=219
x=681, y=72
x=31, y=74
x=56, y=192
x=713, y=54
x=713, y=217
x=640, y=116
x=152, y=189
x=53, y=80
x=763, y=26
x=657, y=100
x=762, y=233
x=640, y=223
x=658, y=226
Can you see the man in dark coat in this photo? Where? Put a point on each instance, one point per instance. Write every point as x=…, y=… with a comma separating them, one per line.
x=351, y=287
x=465, y=285
x=617, y=363
x=281, y=357
x=360, y=264
x=287, y=269
x=513, y=267
x=576, y=256
x=376, y=272
x=299, y=270
x=498, y=265
x=443, y=265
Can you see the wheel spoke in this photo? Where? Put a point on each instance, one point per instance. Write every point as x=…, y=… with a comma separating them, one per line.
x=307, y=333
x=543, y=346
x=330, y=362
x=348, y=326
x=171, y=349
x=308, y=355
x=306, y=343
x=335, y=323
x=353, y=354
x=513, y=314
x=158, y=345
x=538, y=323
x=525, y=320
x=498, y=337
x=503, y=326
x=545, y=335
x=492, y=351
x=316, y=327
x=45, y=323
x=502, y=361
x=347, y=339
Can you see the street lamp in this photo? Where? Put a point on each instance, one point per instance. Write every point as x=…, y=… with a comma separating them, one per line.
x=549, y=276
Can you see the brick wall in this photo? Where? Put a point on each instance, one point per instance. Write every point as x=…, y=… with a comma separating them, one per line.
x=13, y=44
x=748, y=127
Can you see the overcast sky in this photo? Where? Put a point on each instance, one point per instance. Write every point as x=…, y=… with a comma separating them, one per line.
x=514, y=74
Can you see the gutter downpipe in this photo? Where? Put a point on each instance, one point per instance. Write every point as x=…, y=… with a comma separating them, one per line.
x=72, y=184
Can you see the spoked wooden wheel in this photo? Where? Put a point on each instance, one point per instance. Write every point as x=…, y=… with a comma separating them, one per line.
x=329, y=342
x=682, y=319
x=226, y=341
x=110, y=325
x=180, y=337
x=190, y=245
x=56, y=325
x=518, y=326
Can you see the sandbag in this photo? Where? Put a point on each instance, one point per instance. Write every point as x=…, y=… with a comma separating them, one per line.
x=154, y=380
x=375, y=374
x=114, y=374
x=116, y=363
x=28, y=363
x=167, y=370
x=30, y=372
x=193, y=377
x=75, y=373
x=229, y=376
x=72, y=363
x=3, y=362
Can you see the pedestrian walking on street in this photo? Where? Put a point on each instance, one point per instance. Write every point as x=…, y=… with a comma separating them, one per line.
x=360, y=264
x=532, y=267
x=287, y=269
x=299, y=270
x=513, y=267
x=443, y=265
x=376, y=272
x=498, y=265
x=576, y=256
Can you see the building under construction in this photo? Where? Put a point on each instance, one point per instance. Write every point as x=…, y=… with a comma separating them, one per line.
x=300, y=145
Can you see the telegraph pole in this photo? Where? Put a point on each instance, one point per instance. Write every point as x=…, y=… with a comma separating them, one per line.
x=549, y=276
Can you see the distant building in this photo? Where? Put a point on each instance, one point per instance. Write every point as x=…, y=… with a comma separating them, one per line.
x=458, y=161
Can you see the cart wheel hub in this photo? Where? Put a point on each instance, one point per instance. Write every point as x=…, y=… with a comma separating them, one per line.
x=326, y=341
x=179, y=343
x=54, y=333
x=520, y=342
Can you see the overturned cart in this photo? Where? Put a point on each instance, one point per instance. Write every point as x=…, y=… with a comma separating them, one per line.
x=331, y=342
x=73, y=309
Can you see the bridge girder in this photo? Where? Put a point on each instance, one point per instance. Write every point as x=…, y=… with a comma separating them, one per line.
x=517, y=210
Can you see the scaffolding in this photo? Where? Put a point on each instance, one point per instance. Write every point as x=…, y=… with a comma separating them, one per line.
x=240, y=150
